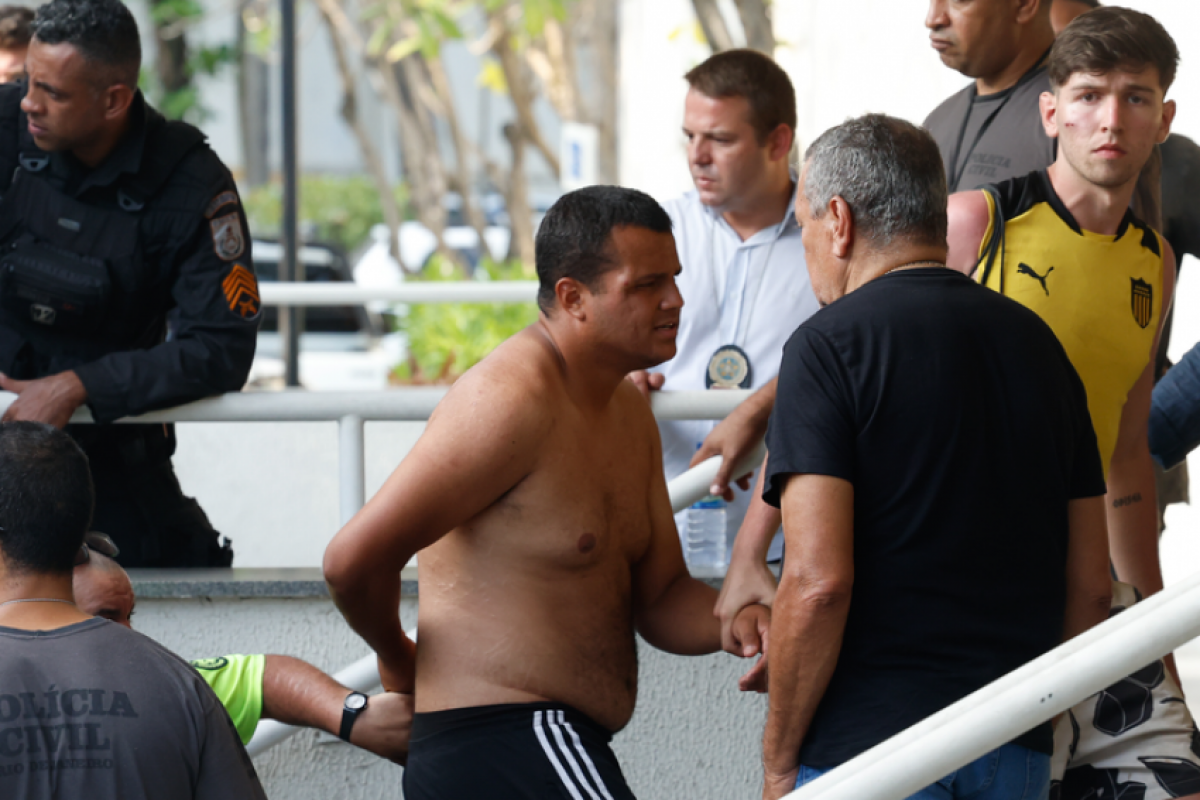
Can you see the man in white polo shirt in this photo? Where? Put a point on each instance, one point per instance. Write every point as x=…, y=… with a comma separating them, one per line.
x=744, y=282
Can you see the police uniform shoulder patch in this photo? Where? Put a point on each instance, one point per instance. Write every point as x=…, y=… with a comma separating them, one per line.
x=241, y=292
x=229, y=241
x=219, y=202
x=1141, y=297
x=210, y=664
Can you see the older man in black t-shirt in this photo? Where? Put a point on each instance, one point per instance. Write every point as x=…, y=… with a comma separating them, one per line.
x=939, y=479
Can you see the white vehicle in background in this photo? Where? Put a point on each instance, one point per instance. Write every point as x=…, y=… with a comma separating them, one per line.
x=341, y=347
x=418, y=244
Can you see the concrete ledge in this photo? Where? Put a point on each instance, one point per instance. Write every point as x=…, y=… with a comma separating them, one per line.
x=240, y=582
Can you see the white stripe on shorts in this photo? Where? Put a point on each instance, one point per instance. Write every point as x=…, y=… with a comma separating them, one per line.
x=556, y=724
x=586, y=758
x=552, y=756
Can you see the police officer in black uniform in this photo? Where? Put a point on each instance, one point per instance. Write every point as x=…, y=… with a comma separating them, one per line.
x=125, y=274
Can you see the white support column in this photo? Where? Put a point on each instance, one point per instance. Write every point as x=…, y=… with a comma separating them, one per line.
x=351, y=469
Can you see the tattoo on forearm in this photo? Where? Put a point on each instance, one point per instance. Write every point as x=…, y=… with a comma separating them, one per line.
x=1127, y=500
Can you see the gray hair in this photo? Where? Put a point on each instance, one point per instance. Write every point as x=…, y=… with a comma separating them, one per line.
x=890, y=174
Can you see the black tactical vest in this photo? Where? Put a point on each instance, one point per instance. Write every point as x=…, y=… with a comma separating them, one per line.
x=73, y=282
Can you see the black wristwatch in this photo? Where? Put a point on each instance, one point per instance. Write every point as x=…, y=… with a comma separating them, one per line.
x=354, y=705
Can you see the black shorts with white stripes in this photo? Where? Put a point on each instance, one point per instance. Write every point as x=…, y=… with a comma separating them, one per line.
x=517, y=751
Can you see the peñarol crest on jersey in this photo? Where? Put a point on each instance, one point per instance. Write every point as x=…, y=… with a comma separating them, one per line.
x=1141, y=297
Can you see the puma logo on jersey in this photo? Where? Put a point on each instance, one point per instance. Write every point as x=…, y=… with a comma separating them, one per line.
x=1025, y=269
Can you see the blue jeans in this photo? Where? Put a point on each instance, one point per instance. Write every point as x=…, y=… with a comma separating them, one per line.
x=1010, y=772
x=1175, y=413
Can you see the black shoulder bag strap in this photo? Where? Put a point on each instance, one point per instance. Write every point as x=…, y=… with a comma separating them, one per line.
x=167, y=143
x=30, y=157
x=995, y=245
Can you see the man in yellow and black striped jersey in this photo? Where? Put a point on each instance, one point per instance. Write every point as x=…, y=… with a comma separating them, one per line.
x=1063, y=242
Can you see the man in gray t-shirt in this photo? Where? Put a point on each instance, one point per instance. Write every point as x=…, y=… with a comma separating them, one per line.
x=991, y=130
x=89, y=709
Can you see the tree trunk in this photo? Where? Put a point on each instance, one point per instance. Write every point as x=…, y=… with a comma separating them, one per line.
x=517, y=196
x=424, y=148
x=418, y=151
x=605, y=43
x=519, y=90
x=462, y=164
x=252, y=88
x=170, y=56
x=716, y=31
x=370, y=154
x=756, y=22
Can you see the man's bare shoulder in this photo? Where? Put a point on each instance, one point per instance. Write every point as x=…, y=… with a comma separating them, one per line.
x=968, y=216
x=515, y=383
x=633, y=406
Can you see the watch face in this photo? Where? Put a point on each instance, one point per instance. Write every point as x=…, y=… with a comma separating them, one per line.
x=356, y=701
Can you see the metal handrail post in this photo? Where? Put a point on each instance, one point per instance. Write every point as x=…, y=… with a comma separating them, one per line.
x=352, y=479
x=1026, y=697
x=691, y=486
x=288, y=267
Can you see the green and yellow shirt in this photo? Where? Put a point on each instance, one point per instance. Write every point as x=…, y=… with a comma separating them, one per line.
x=237, y=682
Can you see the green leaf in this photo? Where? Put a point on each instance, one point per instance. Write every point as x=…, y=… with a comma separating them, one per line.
x=373, y=12
x=449, y=27
x=468, y=331
x=166, y=12
x=403, y=49
x=338, y=209
x=491, y=76
x=534, y=17
x=379, y=36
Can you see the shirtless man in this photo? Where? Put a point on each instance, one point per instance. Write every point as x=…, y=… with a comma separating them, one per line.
x=537, y=499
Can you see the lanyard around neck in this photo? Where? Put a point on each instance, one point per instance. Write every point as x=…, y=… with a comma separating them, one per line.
x=743, y=313
x=957, y=170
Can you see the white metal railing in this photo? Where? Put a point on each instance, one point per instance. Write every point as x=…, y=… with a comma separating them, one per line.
x=975, y=725
x=352, y=409
x=333, y=294
x=1026, y=697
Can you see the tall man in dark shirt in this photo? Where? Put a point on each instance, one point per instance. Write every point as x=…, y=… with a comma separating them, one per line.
x=987, y=132
x=128, y=284
x=939, y=479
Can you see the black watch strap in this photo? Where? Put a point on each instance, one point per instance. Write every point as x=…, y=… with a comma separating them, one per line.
x=353, y=706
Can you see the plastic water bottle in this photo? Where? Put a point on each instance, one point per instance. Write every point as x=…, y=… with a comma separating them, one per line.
x=705, y=537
